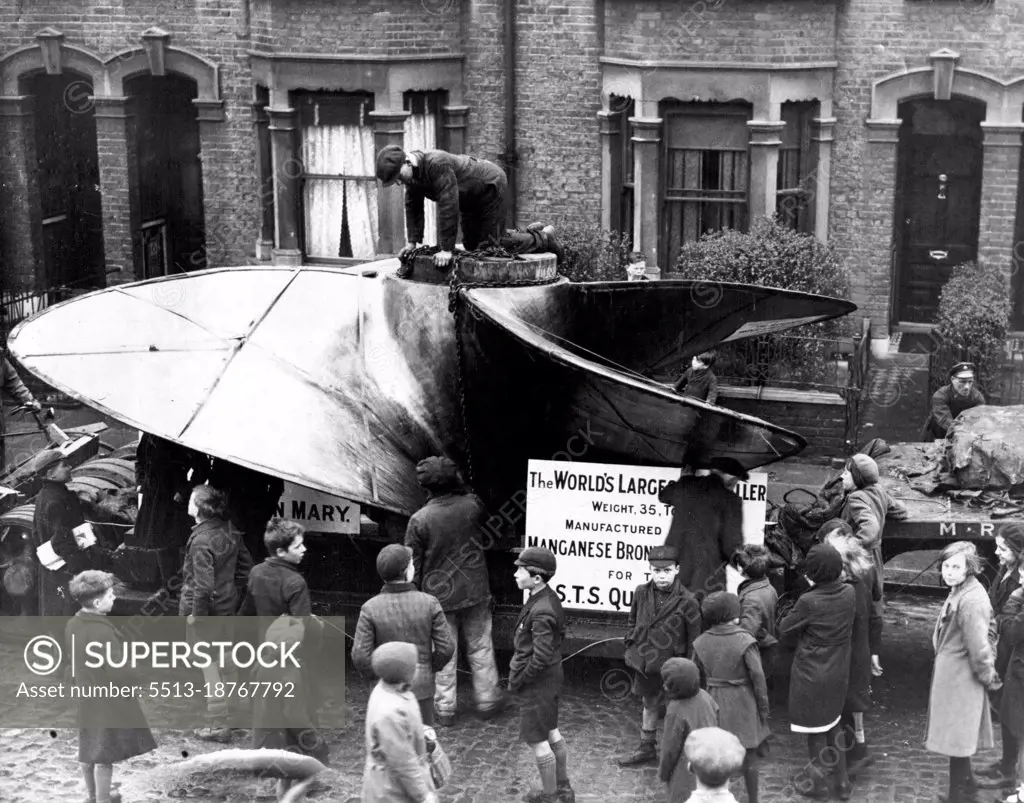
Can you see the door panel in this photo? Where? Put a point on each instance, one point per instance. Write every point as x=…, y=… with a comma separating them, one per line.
x=940, y=188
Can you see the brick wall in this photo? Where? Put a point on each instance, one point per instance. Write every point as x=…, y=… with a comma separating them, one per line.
x=366, y=26
x=18, y=266
x=721, y=30
x=217, y=30
x=484, y=77
x=557, y=100
x=876, y=38
x=823, y=425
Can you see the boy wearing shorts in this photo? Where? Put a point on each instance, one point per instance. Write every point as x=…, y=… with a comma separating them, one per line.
x=664, y=620
x=535, y=674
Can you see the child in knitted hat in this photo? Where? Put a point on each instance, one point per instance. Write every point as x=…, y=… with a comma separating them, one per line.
x=396, y=750
x=730, y=666
x=866, y=509
x=689, y=708
x=715, y=756
x=819, y=628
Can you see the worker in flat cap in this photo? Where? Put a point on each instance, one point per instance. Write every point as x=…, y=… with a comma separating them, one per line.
x=446, y=536
x=952, y=399
x=664, y=620
x=466, y=190
x=535, y=673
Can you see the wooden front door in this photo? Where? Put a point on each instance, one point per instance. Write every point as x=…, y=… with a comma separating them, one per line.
x=938, y=200
x=67, y=174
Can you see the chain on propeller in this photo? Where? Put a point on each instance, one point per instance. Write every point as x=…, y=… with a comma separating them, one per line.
x=455, y=283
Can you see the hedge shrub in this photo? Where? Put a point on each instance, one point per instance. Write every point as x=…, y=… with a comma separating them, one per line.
x=772, y=255
x=592, y=254
x=973, y=318
x=768, y=255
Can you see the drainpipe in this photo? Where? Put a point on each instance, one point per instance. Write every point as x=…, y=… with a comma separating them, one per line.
x=510, y=157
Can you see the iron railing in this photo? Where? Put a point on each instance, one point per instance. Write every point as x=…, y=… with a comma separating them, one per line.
x=797, y=362
x=17, y=305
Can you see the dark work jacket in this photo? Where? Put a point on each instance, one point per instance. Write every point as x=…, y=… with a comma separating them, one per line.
x=445, y=536
x=446, y=178
x=540, y=630
x=13, y=387
x=702, y=384
x=655, y=635
x=819, y=626
x=865, y=641
x=58, y=511
x=1011, y=638
x=216, y=565
x=758, y=601
x=276, y=587
x=946, y=406
x=1007, y=580
x=707, y=527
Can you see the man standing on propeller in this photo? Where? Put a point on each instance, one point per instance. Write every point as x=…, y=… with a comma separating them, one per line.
x=465, y=188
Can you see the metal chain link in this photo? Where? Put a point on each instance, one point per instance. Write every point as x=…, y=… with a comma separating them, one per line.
x=455, y=283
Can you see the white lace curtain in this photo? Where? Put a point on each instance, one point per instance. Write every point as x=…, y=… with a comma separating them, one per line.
x=421, y=135
x=341, y=150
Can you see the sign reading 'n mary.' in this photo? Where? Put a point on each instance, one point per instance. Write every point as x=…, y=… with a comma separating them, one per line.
x=318, y=512
x=602, y=520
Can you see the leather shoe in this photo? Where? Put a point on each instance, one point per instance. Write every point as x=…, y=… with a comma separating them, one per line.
x=989, y=782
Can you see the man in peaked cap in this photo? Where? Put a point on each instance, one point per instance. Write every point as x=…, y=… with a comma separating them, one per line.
x=465, y=189
x=951, y=400
x=535, y=673
x=664, y=619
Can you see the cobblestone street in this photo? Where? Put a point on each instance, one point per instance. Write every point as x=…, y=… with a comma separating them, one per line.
x=491, y=766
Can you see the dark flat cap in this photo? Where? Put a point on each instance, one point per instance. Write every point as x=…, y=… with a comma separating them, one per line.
x=390, y=159
x=535, y=557
x=667, y=554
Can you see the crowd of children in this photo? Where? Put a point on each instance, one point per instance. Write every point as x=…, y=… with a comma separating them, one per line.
x=703, y=664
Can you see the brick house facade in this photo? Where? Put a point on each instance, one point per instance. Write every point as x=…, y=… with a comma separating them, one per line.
x=654, y=116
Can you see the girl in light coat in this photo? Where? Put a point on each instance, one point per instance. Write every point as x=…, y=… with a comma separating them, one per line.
x=396, y=769
x=958, y=713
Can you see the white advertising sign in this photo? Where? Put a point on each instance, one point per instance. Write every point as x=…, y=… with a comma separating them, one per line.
x=318, y=512
x=602, y=520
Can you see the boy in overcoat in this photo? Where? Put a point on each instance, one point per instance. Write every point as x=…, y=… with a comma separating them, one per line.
x=1011, y=701
x=396, y=769
x=1005, y=607
x=758, y=600
x=535, y=674
x=111, y=730
x=664, y=619
x=866, y=509
x=276, y=586
x=689, y=708
x=819, y=627
x=401, y=613
x=865, y=642
x=730, y=667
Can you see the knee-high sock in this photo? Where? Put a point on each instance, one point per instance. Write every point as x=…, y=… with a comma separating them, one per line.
x=548, y=773
x=561, y=761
